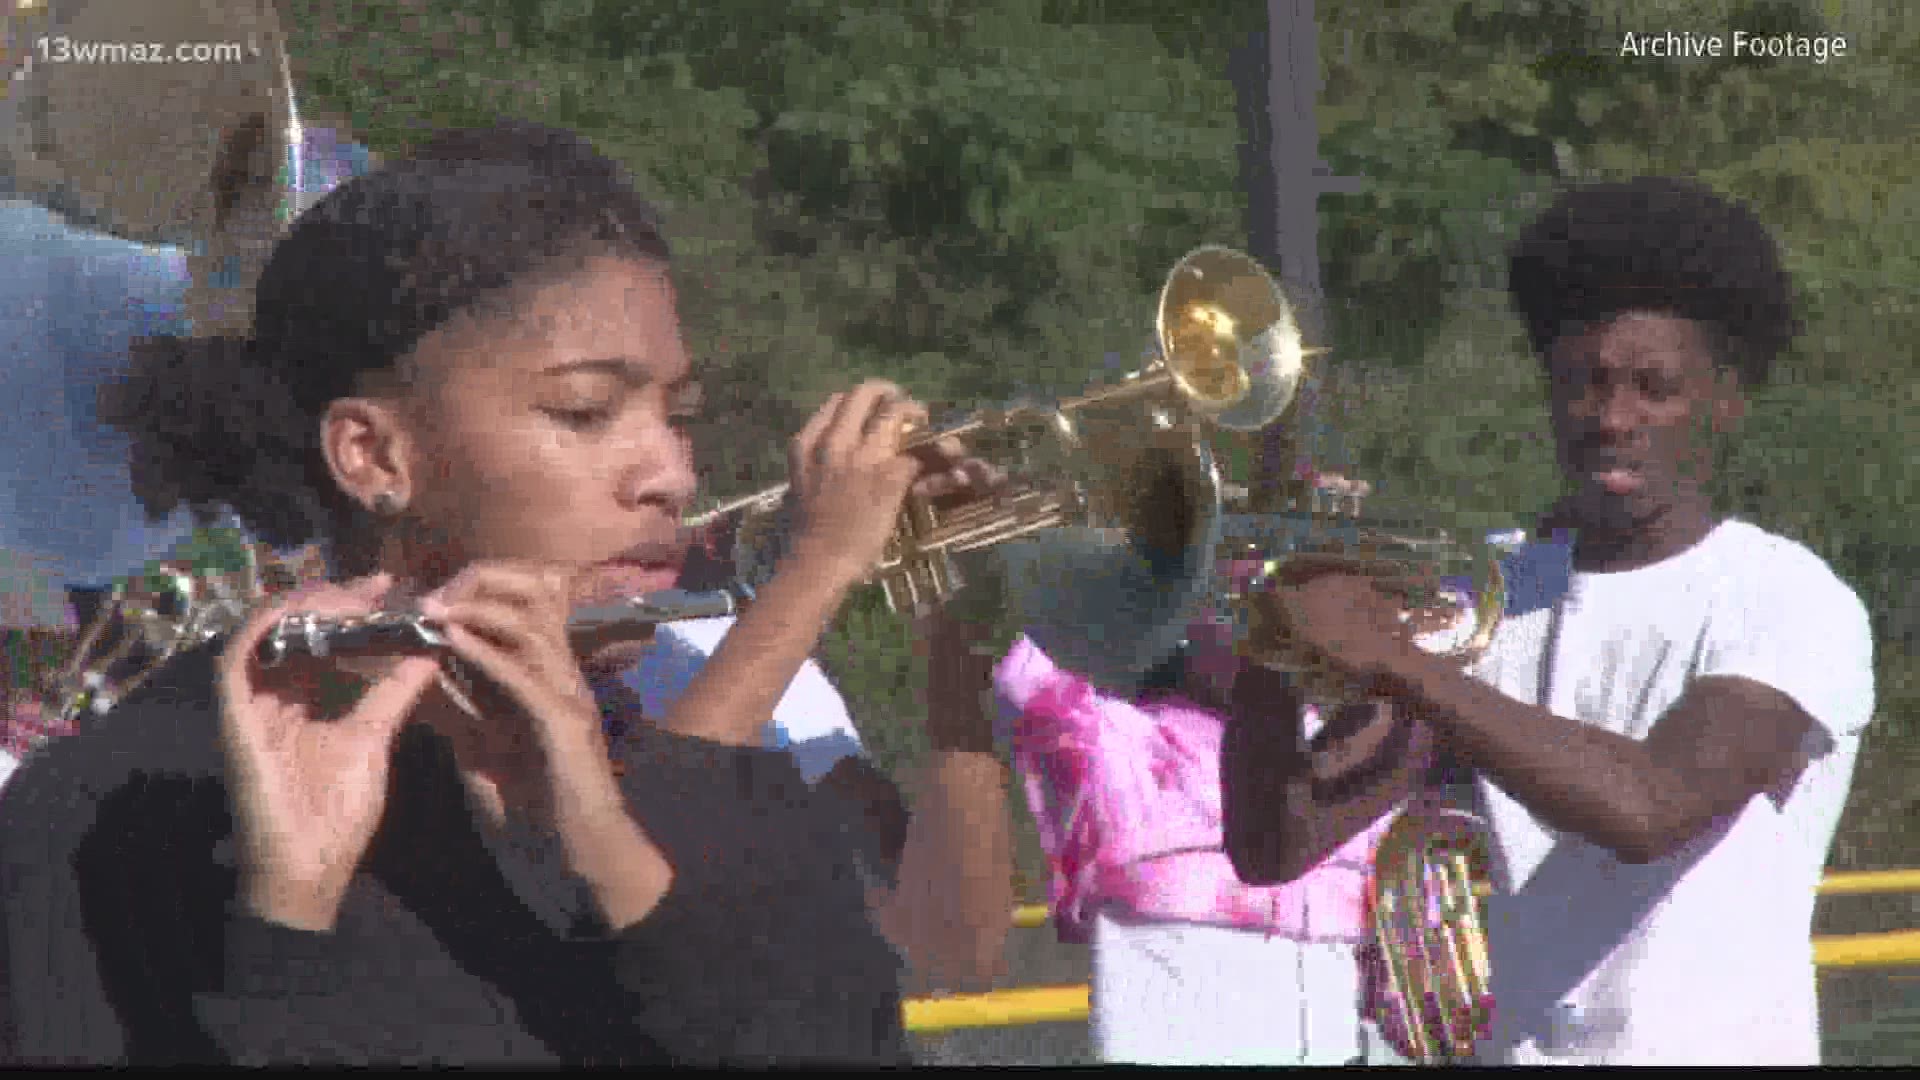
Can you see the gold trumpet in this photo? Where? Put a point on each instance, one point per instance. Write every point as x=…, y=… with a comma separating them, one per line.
x=1431, y=988
x=1454, y=593
x=1431, y=873
x=1120, y=478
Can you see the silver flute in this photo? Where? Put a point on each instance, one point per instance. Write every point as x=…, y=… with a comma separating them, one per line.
x=322, y=636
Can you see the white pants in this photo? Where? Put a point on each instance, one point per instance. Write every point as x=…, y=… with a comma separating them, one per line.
x=1186, y=994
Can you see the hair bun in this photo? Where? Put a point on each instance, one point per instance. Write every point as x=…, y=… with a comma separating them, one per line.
x=213, y=428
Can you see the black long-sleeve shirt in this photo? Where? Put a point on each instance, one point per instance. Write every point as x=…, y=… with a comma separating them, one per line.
x=120, y=939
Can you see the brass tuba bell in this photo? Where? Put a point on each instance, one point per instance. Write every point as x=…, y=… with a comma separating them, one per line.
x=106, y=122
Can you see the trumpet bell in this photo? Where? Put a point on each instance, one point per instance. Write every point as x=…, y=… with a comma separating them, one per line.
x=1114, y=599
x=1230, y=339
x=1132, y=495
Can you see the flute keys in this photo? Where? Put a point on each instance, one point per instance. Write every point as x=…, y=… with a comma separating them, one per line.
x=315, y=636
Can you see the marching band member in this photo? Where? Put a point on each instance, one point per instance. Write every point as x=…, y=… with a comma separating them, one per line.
x=71, y=302
x=467, y=379
x=1190, y=966
x=1667, y=723
x=72, y=298
x=811, y=722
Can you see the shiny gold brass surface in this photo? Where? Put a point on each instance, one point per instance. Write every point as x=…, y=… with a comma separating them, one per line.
x=1431, y=878
x=1449, y=582
x=161, y=122
x=1127, y=462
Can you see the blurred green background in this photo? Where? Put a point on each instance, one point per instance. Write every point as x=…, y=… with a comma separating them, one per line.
x=979, y=199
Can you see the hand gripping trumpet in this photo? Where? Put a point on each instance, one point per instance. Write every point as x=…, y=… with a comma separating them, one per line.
x=1429, y=976
x=1126, y=458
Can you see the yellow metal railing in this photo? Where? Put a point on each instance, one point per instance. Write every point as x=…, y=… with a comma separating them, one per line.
x=999, y=1008
x=1070, y=1004
x=1870, y=882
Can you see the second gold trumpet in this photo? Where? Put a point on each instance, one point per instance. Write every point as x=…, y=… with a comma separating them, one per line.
x=1128, y=460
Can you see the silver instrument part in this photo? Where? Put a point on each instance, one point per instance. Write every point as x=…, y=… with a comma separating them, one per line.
x=320, y=636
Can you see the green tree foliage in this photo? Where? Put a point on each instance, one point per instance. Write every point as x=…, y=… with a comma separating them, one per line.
x=1493, y=103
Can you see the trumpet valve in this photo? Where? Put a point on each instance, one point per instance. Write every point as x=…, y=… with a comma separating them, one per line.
x=920, y=582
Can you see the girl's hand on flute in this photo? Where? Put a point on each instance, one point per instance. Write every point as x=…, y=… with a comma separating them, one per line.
x=307, y=747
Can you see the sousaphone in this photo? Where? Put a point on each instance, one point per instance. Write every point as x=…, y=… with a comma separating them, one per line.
x=158, y=121
x=169, y=123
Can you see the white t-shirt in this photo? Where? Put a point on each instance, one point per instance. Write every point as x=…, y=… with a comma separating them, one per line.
x=8, y=763
x=1705, y=957
x=811, y=720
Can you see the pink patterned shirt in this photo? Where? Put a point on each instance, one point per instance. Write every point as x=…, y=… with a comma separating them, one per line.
x=1128, y=803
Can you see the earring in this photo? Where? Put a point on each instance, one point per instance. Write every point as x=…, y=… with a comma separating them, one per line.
x=387, y=504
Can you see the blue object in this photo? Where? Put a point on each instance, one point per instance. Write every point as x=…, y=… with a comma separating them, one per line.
x=71, y=301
